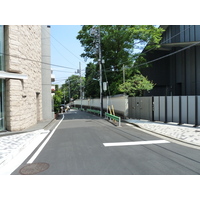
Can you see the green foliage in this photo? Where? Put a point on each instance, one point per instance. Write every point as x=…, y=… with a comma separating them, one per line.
x=72, y=87
x=136, y=85
x=118, y=43
x=92, y=81
x=57, y=99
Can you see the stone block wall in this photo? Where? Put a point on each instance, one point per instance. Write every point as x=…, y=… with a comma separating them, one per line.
x=23, y=97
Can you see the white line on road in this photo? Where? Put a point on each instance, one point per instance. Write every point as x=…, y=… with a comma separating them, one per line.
x=44, y=143
x=135, y=143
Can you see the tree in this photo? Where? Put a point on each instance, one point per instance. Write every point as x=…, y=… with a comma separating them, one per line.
x=136, y=85
x=92, y=81
x=57, y=99
x=118, y=43
x=72, y=87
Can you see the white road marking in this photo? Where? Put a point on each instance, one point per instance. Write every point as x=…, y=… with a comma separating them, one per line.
x=135, y=143
x=13, y=164
x=44, y=143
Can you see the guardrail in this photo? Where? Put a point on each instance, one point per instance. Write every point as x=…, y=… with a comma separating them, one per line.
x=94, y=111
x=113, y=117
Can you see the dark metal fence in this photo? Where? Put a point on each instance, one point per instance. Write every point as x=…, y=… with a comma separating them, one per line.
x=179, y=109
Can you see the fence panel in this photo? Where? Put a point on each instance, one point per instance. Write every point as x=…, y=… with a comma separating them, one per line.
x=179, y=109
x=146, y=108
x=162, y=109
x=131, y=106
x=138, y=107
x=191, y=110
x=175, y=113
x=184, y=110
x=157, y=108
x=169, y=109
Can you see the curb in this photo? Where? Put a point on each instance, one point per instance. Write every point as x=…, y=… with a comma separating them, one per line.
x=25, y=131
x=170, y=137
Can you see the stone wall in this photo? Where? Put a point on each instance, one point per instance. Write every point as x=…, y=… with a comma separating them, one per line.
x=23, y=97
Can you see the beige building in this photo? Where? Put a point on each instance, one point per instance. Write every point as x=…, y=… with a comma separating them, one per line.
x=25, y=76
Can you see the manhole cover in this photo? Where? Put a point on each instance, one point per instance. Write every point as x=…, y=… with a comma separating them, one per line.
x=34, y=168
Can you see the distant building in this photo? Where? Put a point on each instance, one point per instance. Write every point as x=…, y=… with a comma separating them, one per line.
x=25, y=76
x=178, y=73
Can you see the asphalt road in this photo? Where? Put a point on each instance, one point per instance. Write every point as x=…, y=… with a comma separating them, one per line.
x=85, y=144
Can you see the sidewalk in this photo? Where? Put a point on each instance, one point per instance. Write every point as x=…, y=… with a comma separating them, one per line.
x=183, y=133
x=12, y=143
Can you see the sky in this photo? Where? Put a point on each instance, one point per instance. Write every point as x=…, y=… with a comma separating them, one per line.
x=66, y=51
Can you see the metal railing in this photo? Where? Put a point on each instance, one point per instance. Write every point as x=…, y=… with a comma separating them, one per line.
x=113, y=117
x=94, y=111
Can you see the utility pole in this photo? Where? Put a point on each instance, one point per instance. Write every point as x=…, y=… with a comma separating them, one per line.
x=69, y=91
x=123, y=75
x=96, y=33
x=100, y=70
x=80, y=84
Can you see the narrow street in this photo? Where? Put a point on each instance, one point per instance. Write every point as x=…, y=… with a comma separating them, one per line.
x=85, y=144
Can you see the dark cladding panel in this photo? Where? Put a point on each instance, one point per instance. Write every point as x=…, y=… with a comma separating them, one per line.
x=192, y=38
x=197, y=32
x=187, y=33
x=182, y=33
x=198, y=70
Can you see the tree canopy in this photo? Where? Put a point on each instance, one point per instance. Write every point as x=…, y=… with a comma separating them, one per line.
x=118, y=45
x=71, y=88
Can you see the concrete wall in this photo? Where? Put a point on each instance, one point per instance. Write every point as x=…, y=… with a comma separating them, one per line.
x=23, y=98
x=120, y=104
x=46, y=74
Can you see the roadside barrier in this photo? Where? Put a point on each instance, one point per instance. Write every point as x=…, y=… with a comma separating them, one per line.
x=113, y=117
x=94, y=111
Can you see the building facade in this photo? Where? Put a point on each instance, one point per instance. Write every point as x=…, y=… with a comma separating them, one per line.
x=21, y=71
x=176, y=74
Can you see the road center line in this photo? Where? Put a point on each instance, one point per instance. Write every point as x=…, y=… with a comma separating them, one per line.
x=44, y=143
x=135, y=143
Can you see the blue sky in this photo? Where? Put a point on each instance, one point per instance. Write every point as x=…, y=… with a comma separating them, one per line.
x=66, y=51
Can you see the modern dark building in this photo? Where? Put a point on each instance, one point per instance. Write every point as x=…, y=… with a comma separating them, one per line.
x=177, y=71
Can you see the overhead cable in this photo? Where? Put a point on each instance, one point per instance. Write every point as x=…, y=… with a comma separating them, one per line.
x=55, y=65
x=168, y=54
x=64, y=46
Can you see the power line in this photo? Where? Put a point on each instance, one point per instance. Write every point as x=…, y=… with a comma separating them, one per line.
x=168, y=54
x=170, y=38
x=163, y=41
x=62, y=55
x=63, y=46
x=55, y=65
